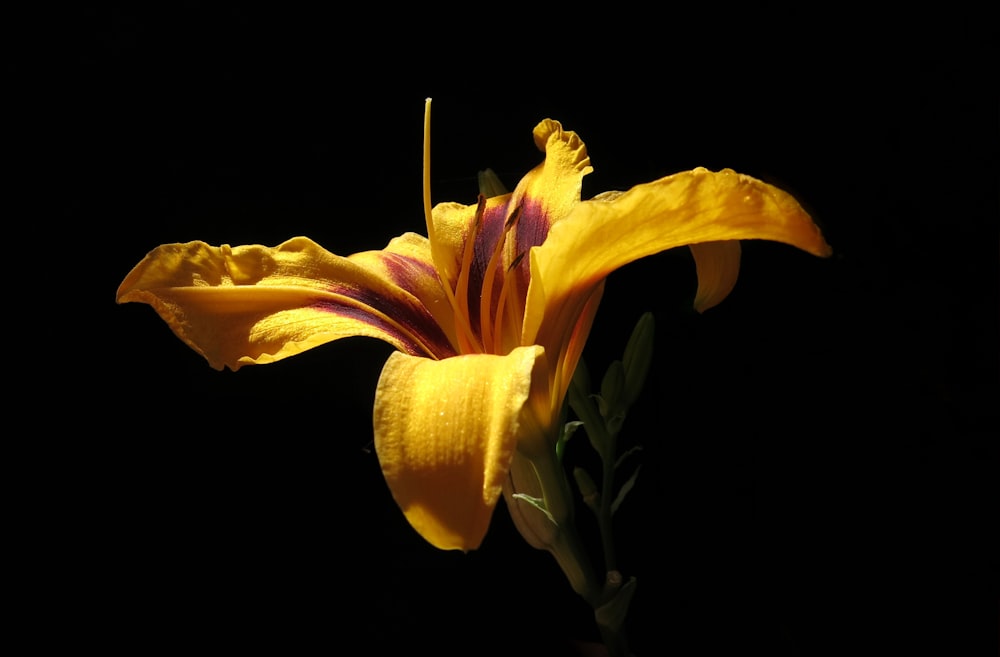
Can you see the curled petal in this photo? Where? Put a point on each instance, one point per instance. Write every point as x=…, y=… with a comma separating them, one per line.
x=256, y=304
x=553, y=187
x=445, y=433
x=543, y=197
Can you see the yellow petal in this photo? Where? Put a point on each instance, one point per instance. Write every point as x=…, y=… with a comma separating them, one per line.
x=545, y=195
x=687, y=208
x=718, y=267
x=554, y=185
x=445, y=433
x=255, y=304
x=463, y=244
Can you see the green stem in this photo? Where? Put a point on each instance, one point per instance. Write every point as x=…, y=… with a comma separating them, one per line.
x=566, y=545
x=604, y=515
x=604, y=442
x=609, y=610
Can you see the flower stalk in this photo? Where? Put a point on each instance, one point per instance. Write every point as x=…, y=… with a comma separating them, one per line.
x=602, y=416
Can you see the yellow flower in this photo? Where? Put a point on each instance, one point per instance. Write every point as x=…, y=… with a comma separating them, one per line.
x=489, y=312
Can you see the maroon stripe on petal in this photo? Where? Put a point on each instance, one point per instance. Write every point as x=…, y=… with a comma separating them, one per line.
x=533, y=226
x=531, y=230
x=491, y=230
x=409, y=323
x=404, y=271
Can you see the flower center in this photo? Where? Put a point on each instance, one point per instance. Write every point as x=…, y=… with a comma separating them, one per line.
x=500, y=326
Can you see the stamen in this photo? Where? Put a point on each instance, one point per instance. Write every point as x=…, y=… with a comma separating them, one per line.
x=514, y=216
x=517, y=261
x=462, y=285
x=486, y=298
x=508, y=312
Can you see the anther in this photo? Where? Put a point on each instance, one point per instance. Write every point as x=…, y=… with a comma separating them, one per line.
x=516, y=261
x=514, y=216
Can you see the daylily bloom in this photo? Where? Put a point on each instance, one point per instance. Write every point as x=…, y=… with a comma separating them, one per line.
x=489, y=313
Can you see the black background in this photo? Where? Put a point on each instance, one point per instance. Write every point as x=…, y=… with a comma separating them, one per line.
x=818, y=473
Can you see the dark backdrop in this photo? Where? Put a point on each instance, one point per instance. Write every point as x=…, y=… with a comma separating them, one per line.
x=819, y=451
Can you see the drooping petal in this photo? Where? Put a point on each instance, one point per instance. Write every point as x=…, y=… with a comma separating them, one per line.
x=445, y=433
x=686, y=208
x=255, y=304
x=718, y=267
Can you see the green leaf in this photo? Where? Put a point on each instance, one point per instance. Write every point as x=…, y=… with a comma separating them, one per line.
x=629, y=452
x=567, y=432
x=626, y=487
x=536, y=502
x=611, y=615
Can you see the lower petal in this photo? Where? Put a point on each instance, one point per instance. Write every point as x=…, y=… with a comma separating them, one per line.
x=445, y=433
